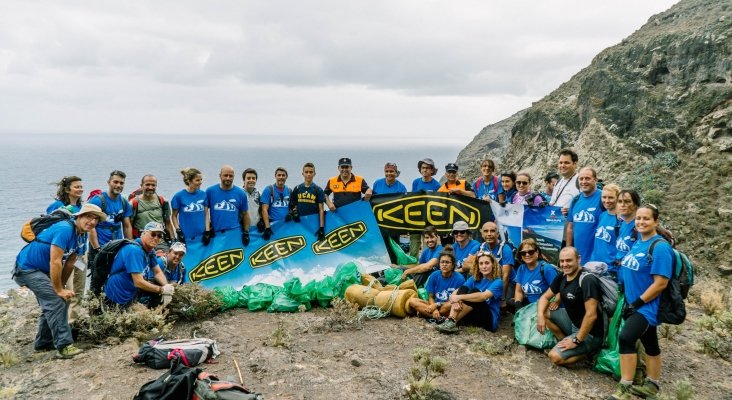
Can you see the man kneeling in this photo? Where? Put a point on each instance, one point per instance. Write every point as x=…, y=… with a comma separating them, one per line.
x=579, y=326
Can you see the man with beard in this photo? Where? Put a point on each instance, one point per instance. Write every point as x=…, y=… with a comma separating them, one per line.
x=584, y=214
x=275, y=202
x=149, y=206
x=228, y=205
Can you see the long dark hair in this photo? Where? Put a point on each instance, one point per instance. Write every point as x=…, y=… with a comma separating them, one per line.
x=62, y=186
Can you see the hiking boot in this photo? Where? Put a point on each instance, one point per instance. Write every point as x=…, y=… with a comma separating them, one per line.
x=648, y=390
x=640, y=375
x=449, y=326
x=435, y=322
x=69, y=351
x=622, y=392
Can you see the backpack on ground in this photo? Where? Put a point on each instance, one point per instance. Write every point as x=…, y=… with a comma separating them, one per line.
x=159, y=353
x=672, y=309
x=102, y=265
x=209, y=387
x=175, y=384
x=33, y=227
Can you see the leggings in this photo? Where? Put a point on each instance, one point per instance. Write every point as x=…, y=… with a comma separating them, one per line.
x=636, y=327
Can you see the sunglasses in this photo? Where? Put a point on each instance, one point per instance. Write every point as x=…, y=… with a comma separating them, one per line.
x=527, y=253
x=522, y=183
x=459, y=232
x=157, y=235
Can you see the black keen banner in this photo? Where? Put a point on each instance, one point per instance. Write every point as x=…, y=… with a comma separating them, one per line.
x=412, y=212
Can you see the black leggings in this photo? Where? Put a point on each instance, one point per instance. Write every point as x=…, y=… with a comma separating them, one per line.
x=480, y=315
x=636, y=327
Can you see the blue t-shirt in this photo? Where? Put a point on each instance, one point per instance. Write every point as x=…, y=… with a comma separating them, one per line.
x=307, y=198
x=431, y=186
x=532, y=282
x=625, y=238
x=60, y=204
x=174, y=275
x=604, y=247
x=510, y=195
x=225, y=206
x=585, y=214
x=462, y=253
x=279, y=203
x=441, y=288
x=496, y=287
x=191, y=211
x=504, y=254
x=428, y=254
x=116, y=210
x=488, y=190
x=637, y=273
x=381, y=187
x=37, y=254
x=131, y=259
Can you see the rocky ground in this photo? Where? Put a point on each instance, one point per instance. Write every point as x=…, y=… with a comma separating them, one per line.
x=304, y=356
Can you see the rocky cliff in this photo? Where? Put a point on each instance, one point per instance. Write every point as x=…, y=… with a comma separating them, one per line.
x=653, y=113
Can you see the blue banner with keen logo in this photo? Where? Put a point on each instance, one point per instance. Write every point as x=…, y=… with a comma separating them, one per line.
x=351, y=234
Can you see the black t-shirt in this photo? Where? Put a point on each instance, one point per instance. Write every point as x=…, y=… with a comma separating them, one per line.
x=574, y=297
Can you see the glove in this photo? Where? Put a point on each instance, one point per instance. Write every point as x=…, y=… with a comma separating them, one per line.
x=267, y=234
x=207, y=236
x=288, y=217
x=296, y=216
x=321, y=234
x=245, y=238
x=628, y=310
x=517, y=304
x=181, y=236
x=167, y=298
x=168, y=290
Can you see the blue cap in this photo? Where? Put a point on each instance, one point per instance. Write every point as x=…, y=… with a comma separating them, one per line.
x=153, y=226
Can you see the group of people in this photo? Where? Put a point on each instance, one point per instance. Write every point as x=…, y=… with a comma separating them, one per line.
x=469, y=282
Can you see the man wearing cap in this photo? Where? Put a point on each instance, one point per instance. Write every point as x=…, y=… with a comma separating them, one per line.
x=464, y=246
x=426, y=183
x=126, y=275
x=389, y=183
x=169, y=269
x=228, y=205
x=44, y=265
x=346, y=187
x=453, y=185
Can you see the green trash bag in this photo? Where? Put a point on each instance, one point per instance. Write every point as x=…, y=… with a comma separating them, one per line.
x=393, y=276
x=228, y=295
x=608, y=360
x=422, y=293
x=283, y=303
x=325, y=291
x=311, y=289
x=346, y=275
x=243, y=297
x=402, y=258
x=525, y=329
x=297, y=292
x=261, y=296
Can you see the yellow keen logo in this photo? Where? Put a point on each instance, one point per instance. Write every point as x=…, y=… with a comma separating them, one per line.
x=276, y=250
x=340, y=238
x=217, y=265
x=414, y=213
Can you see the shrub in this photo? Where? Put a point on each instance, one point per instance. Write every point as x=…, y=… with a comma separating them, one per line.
x=668, y=332
x=713, y=298
x=341, y=316
x=136, y=321
x=683, y=390
x=192, y=302
x=495, y=345
x=423, y=373
x=280, y=336
x=716, y=335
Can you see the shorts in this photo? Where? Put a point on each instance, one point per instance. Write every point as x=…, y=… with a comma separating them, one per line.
x=588, y=346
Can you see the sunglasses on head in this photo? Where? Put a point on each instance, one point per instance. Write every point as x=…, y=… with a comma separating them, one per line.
x=527, y=253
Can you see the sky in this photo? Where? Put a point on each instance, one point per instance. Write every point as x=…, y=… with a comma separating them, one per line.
x=430, y=71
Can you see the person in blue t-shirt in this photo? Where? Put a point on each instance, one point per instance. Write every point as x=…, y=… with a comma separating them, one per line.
x=127, y=272
x=488, y=186
x=427, y=260
x=118, y=210
x=426, y=183
x=191, y=217
x=68, y=195
x=389, y=184
x=169, y=269
x=44, y=265
x=504, y=255
x=584, y=214
x=508, y=182
x=275, y=201
x=464, y=247
x=533, y=277
x=307, y=198
x=440, y=286
x=228, y=205
x=644, y=278
x=606, y=233
x=477, y=301
x=628, y=203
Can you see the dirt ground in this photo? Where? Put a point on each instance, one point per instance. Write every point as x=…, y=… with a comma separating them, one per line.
x=283, y=356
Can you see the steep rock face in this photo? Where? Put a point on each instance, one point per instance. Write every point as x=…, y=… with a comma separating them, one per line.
x=641, y=113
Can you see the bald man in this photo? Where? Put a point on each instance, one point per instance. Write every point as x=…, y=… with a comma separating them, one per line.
x=228, y=205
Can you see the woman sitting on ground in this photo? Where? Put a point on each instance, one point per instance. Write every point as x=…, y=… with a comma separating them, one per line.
x=478, y=301
x=524, y=195
x=440, y=286
x=508, y=182
x=534, y=276
x=68, y=195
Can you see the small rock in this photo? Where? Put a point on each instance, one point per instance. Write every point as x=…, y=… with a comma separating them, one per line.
x=702, y=150
x=724, y=212
x=724, y=269
x=356, y=363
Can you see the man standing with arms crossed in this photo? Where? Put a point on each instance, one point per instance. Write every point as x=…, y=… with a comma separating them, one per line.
x=228, y=205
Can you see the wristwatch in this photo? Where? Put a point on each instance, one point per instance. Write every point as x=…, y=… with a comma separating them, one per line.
x=576, y=340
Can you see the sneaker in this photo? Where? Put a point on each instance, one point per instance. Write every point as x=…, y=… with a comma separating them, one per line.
x=69, y=351
x=449, y=326
x=435, y=322
x=648, y=390
x=621, y=393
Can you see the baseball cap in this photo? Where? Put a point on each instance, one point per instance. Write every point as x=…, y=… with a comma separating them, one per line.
x=344, y=161
x=452, y=167
x=460, y=226
x=153, y=226
x=429, y=162
x=89, y=208
x=178, y=247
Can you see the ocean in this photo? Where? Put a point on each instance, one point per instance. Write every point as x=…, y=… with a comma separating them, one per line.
x=32, y=163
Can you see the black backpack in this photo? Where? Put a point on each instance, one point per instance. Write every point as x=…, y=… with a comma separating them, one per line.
x=102, y=265
x=33, y=227
x=175, y=384
x=209, y=387
x=672, y=309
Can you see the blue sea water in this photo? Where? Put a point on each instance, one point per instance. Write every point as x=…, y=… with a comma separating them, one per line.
x=32, y=163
